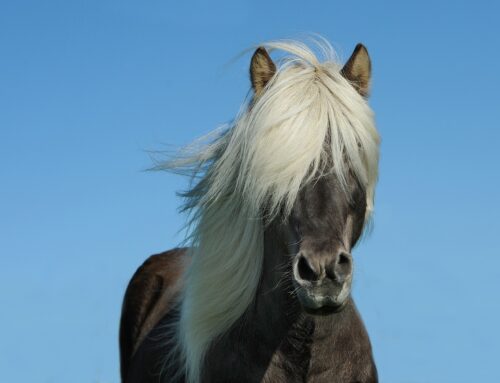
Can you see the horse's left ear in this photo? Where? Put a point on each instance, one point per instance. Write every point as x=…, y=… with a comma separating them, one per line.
x=262, y=69
x=358, y=70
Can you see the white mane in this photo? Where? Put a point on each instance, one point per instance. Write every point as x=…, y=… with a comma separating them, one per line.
x=262, y=159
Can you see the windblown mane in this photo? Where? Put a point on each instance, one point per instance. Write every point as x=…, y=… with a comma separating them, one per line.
x=257, y=164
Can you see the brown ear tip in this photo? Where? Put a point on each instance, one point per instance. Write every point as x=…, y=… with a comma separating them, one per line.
x=360, y=47
x=259, y=52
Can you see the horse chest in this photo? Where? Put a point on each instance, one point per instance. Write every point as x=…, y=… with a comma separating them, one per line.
x=323, y=352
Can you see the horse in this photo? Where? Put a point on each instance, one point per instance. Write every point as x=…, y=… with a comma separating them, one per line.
x=278, y=200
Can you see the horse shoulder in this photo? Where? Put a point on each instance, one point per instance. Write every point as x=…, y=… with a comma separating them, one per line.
x=147, y=299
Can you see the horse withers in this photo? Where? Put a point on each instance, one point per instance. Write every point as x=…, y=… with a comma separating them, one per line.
x=263, y=292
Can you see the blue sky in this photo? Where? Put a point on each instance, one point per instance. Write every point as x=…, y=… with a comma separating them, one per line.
x=86, y=87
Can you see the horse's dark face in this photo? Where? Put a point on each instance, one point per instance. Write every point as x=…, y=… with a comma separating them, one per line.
x=326, y=221
x=325, y=224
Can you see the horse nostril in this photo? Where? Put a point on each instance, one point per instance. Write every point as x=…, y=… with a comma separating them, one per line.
x=305, y=270
x=344, y=259
x=343, y=267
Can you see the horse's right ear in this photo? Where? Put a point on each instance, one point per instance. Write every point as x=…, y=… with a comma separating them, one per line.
x=262, y=69
x=358, y=70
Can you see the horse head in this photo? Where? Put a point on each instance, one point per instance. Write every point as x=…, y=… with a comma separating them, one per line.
x=329, y=213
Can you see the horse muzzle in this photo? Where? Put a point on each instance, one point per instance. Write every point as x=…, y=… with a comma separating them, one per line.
x=323, y=281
